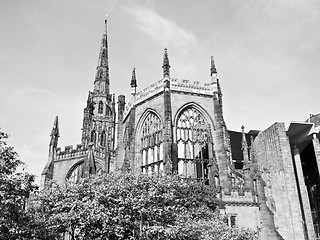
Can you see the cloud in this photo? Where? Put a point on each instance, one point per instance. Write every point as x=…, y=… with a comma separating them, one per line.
x=31, y=90
x=164, y=31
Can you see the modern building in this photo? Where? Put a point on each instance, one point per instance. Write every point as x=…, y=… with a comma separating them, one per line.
x=267, y=180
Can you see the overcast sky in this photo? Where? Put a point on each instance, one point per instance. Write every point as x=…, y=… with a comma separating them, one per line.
x=267, y=54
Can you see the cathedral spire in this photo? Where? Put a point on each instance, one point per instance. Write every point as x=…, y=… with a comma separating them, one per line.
x=213, y=69
x=101, y=83
x=166, y=65
x=103, y=55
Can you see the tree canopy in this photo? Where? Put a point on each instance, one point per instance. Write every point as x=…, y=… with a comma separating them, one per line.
x=15, y=189
x=125, y=206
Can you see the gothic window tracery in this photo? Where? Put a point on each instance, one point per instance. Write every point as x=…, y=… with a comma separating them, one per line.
x=100, y=107
x=151, y=144
x=194, y=142
x=75, y=172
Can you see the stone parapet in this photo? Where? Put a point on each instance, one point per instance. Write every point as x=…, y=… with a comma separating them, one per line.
x=241, y=196
x=176, y=84
x=79, y=150
x=180, y=85
x=149, y=91
x=184, y=85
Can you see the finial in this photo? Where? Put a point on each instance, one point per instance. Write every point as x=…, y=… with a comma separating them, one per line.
x=133, y=83
x=55, y=128
x=105, y=22
x=244, y=140
x=166, y=65
x=213, y=69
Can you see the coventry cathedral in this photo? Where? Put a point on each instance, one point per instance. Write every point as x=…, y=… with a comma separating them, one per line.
x=267, y=180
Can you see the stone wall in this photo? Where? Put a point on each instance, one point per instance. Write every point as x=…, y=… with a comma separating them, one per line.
x=64, y=163
x=247, y=216
x=278, y=183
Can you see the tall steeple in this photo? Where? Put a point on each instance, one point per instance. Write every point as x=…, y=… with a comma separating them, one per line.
x=101, y=83
x=98, y=120
x=133, y=83
x=166, y=65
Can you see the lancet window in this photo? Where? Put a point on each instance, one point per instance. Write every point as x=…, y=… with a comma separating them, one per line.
x=103, y=139
x=151, y=144
x=193, y=136
x=93, y=136
x=100, y=107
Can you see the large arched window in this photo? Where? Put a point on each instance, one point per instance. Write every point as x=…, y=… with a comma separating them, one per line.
x=100, y=107
x=151, y=142
x=194, y=141
x=75, y=172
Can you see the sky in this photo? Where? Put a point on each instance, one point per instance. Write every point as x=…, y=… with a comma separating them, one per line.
x=267, y=54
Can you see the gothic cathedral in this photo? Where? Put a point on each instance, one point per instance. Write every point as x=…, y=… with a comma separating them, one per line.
x=176, y=126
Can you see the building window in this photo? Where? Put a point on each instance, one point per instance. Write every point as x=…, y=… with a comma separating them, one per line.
x=75, y=173
x=93, y=136
x=193, y=140
x=103, y=139
x=151, y=144
x=233, y=221
x=100, y=107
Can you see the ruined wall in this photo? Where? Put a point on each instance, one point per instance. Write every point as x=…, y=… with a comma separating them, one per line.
x=278, y=183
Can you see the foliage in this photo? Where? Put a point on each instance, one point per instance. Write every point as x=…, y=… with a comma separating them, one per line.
x=15, y=189
x=131, y=207
x=114, y=206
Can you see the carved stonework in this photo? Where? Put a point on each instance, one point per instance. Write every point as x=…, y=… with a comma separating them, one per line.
x=193, y=127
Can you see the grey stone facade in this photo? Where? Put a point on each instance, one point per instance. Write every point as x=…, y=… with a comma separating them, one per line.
x=176, y=126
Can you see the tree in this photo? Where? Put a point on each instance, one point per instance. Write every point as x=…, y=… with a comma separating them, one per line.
x=124, y=206
x=15, y=189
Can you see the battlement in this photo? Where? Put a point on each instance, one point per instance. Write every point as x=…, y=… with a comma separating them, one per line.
x=237, y=195
x=176, y=84
x=185, y=85
x=78, y=151
x=149, y=91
